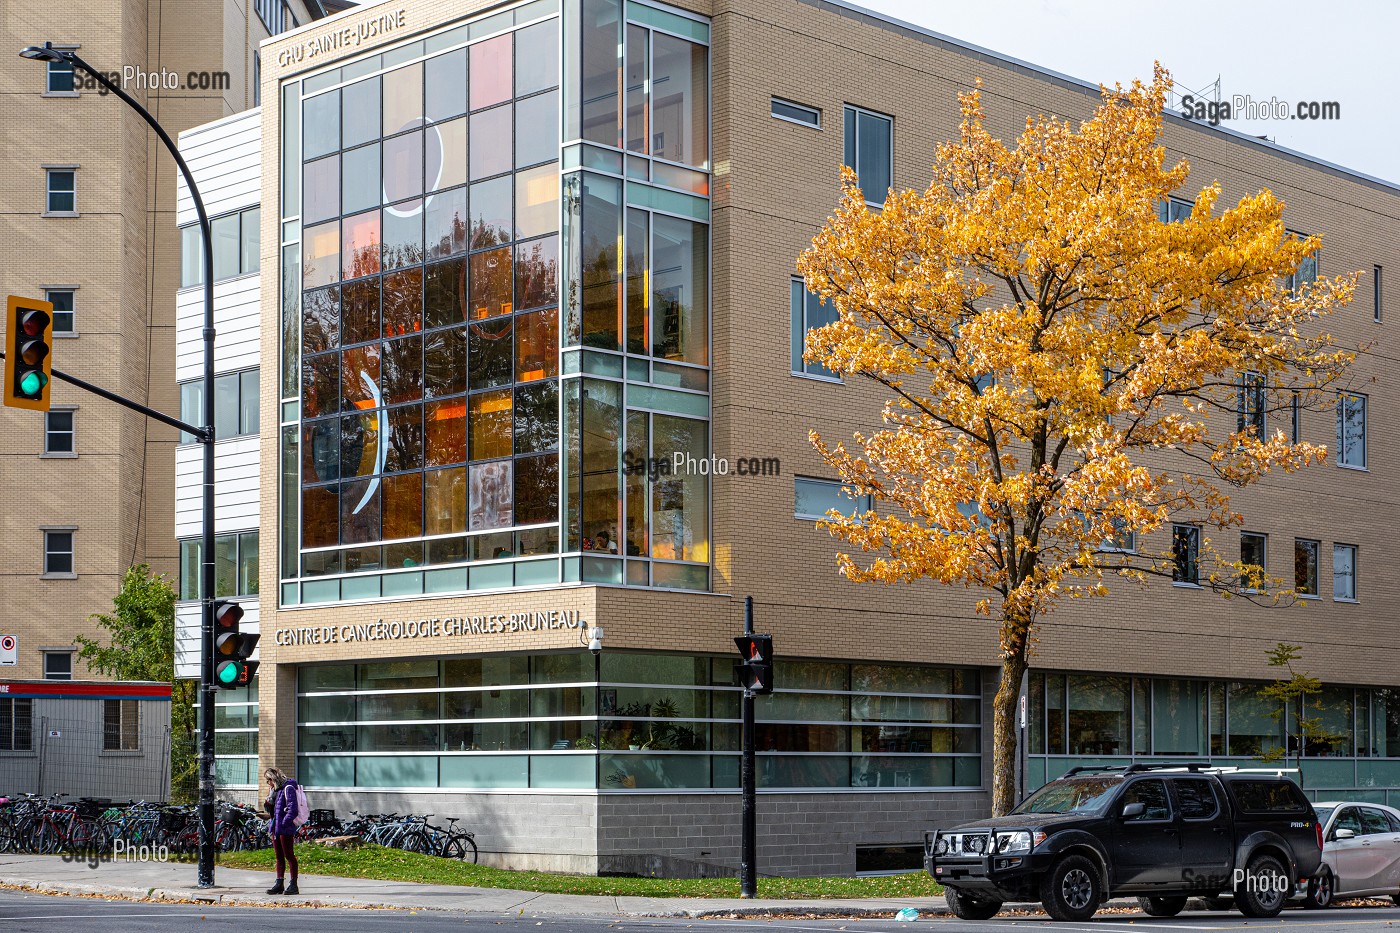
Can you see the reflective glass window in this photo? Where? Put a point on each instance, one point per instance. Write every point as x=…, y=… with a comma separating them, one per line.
x=320, y=125
x=403, y=166
x=490, y=81
x=403, y=302
x=492, y=495
x=491, y=213
x=680, y=295
x=445, y=221
x=537, y=345
x=403, y=234
x=489, y=353
x=598, y=116
x=445, y=432
x=537, y=129
x=402, y=370
x=403, y=99
x=359, y=377
x=359, y=311
x=320, y=384
x=594, y=232
x=537, y=58
x=680, y=503
x=359, y=180
x=536, y=490
x=320, y=255
x=359, y=249
x=445, y=501
x=320, y=516
x=537, y=417
x=404, y=450
x=320, y=320
x=537, y=272
x=445, y=155
x=491, y=425
x=445, y=293
x=491, y=282
x=359, y=512
x=537, y=201
x=445, y=83
x=320, y=192
x=490, y=137
x=680, y=107
x=445, y=362
x=638, y=70
x=360, y=112
x=403, y=506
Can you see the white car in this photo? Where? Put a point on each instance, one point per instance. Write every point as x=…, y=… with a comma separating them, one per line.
x=1361, y=849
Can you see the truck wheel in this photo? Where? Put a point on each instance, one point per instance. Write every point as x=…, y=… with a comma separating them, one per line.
x=1162, y=906
x=1265, y=888
x=966, y=907
x=1071, y=890
x=1321, y=888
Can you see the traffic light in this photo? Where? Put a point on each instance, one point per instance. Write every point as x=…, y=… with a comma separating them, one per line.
x=28, y=333
x=756, y=673
x=232, y=648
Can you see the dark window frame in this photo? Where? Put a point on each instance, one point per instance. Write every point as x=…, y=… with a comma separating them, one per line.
x=192, y=404
x=70, y=326
x=851, y=141
x=122, y=732
x=51, y=433
x=246, y=555
x=1186, y=567
x=59, y=675
x=776, y=102
x=52, y=553
x=13, y=712
x=51, y=173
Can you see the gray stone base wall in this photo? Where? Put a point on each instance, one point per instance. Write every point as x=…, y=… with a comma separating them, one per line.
x=541, y=832
x=798, y=834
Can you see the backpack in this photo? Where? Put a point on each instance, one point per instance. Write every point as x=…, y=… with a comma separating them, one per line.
x=303, y=809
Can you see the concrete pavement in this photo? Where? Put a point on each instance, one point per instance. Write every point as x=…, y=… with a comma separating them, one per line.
x=172, y=881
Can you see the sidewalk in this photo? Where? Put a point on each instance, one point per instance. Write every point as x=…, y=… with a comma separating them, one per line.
x=176, y=882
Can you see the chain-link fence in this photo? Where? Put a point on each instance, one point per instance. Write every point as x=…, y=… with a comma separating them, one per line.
x=82, y=758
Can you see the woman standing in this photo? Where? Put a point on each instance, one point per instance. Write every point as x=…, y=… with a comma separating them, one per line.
x=282, y=804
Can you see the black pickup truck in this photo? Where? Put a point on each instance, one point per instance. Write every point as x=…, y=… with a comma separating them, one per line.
x=1163, y=832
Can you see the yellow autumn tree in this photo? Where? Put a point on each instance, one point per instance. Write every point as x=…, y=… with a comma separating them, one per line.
x=1063, y=367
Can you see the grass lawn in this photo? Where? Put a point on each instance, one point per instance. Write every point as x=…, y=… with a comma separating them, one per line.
x=393, y=865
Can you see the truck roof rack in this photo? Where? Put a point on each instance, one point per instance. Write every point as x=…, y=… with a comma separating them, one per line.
x=1091, y=769
x=1193, y=766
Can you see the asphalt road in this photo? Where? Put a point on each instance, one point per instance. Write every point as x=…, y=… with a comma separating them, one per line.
x=37, y=912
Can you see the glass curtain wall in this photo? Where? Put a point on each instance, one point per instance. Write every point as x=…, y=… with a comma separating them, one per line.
x=1079, y=718
x=636, y=270
x=428, y=288
x=632, y=721
x=420, y=315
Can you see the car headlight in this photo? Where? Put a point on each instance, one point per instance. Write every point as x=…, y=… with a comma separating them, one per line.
x=1017, y=843
x=940, y=846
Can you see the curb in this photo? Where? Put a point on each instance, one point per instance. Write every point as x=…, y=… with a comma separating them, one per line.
x=166, y=895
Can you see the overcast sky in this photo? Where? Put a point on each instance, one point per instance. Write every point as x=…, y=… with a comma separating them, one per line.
x=1340, y=50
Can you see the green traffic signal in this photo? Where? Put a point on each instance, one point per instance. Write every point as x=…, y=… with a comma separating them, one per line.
x=31, y=383
x=228, y=672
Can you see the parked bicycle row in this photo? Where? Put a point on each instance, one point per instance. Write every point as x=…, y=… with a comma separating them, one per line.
x=51, y=825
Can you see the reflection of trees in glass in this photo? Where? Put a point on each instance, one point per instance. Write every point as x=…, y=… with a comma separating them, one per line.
x=537, y=500
x=594, y=230
x=1295, y=696
x=320, y=319
x=445, y=293
x=403, y=303
x=537, y=273
x=646, y=730
x=679, y=502
x=537, y=417
x=491, y=281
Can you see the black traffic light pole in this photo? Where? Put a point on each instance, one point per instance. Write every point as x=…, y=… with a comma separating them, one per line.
x=748, y=842
x=47, y=53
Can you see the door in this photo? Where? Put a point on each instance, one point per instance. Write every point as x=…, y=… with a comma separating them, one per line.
x=1353, y=857
x=1207, y=844
x=1147, y=847
x=1381, y=843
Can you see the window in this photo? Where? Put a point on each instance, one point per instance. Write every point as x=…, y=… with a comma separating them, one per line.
x=235, y=405
x=1174, y=210
x=236, y=239
x=1307, y=268
x=58, y=665
x=870, y=151
x=1253, y=553
x=1250, y=407
x=235, y=565
x=1296, y=420
x=62, y=191
x=1376, y=293
x=257, y=79
x=58, y=433
x=60, y=78
x=1152, y=794
x=1123, y=538
x=16, y=724
x=1186, y=554
x=1344, y=571
x=1197, y=798
x=276, y=16
x=62, y=301
x=121, y=726
x=58, y=552
x=1305, y=567
x=1351, y=430
x=815, y=497
x=796, y=113
x=808, y=312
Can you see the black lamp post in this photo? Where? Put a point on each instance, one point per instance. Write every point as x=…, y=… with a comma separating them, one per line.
x=47, y=53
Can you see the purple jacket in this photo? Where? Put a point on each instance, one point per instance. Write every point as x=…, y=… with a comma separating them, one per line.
x=284, y=809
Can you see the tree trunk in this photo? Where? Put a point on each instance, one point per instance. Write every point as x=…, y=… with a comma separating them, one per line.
x=1004, y=730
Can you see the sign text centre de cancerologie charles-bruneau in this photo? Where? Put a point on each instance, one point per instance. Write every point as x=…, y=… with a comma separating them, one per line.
x=500, y=623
